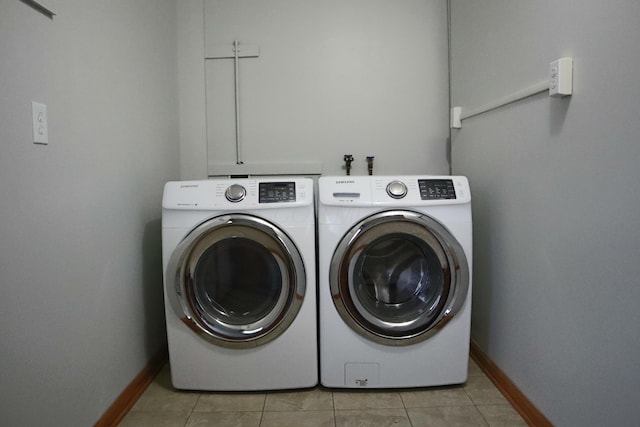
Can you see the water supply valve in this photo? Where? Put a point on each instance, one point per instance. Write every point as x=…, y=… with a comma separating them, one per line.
x=370, y=164
x=348, y=158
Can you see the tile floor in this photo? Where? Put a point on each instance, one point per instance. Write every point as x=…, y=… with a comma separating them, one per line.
x=476, y=403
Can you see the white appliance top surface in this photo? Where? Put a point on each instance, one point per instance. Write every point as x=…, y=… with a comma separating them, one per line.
x=259, y=193
x=421, y=190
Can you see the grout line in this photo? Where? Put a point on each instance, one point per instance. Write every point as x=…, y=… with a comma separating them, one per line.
x=333, y=401
x=406, y=410
x=192, y=409
x=264, y=405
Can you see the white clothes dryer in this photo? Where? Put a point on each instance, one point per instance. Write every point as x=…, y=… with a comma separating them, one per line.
x=240, y=283
x=394, y=280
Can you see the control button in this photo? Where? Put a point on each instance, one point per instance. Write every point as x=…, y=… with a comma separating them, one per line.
x=396, y=189
x=235, y=193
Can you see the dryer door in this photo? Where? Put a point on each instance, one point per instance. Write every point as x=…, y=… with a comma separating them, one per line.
x=239, y=281
x=398, y=276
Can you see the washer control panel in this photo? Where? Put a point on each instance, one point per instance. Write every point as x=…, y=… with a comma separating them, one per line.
x=276, y=192
x=437, y=189
x=394, y=191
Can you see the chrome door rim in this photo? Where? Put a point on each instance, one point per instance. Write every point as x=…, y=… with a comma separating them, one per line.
x=182, y=293
x=410, y=225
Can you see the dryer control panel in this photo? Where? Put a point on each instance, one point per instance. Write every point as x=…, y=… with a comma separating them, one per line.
x=277, y=192
x=238, y=194
x=437, y=189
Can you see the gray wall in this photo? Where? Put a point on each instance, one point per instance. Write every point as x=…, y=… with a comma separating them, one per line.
x=366, y=77
x=80, y=271
x=556, y=200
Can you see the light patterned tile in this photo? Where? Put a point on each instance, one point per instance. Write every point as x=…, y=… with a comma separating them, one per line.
x=372, y=418
x=366, y=400
x=483, y=392
x=163, y=406
x=164, y=377
x=298, y=419
x=159, y=398
x=446, y=416
x=501, y=416
x=230, y=402
x=454, y=396
x=306, y=400
x=225, y=419
x=474, y=369
x=154, y=419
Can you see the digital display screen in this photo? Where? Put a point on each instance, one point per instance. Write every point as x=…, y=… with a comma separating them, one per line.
x=436, y=189
x=277, y=192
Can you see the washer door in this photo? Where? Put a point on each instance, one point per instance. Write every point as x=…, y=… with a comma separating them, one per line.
x=398, y=276
x=238, y=280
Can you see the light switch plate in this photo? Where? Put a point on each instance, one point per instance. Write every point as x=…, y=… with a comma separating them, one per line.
x=40, y=128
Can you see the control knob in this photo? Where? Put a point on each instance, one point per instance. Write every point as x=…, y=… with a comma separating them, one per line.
x=235, y=193
x=396, y=189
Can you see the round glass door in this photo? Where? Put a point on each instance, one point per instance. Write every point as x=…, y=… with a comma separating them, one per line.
x=397, y=276
x=239, y=280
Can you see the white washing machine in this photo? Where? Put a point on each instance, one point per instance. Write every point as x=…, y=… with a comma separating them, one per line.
x=240, y=283
x=394, y=280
